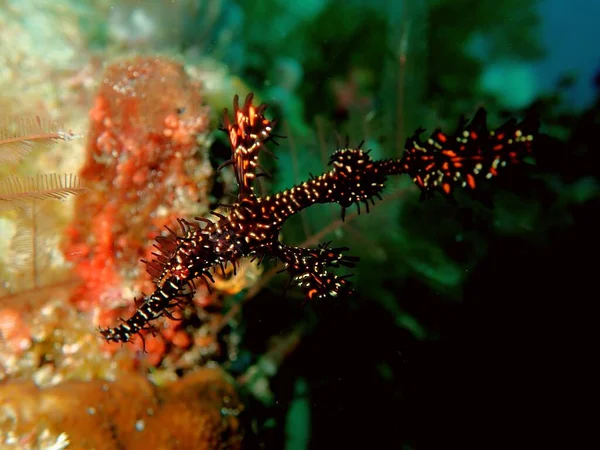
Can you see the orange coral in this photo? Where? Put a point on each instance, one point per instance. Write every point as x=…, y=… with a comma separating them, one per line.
x=144, y=170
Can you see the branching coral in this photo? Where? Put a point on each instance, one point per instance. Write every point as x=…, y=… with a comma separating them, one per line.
x=253, y=225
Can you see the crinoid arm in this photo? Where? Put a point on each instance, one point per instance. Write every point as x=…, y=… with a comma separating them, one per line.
x=444, y=161
x=248, y=133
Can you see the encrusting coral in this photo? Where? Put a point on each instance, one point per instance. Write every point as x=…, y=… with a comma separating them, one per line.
x=199, y=411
